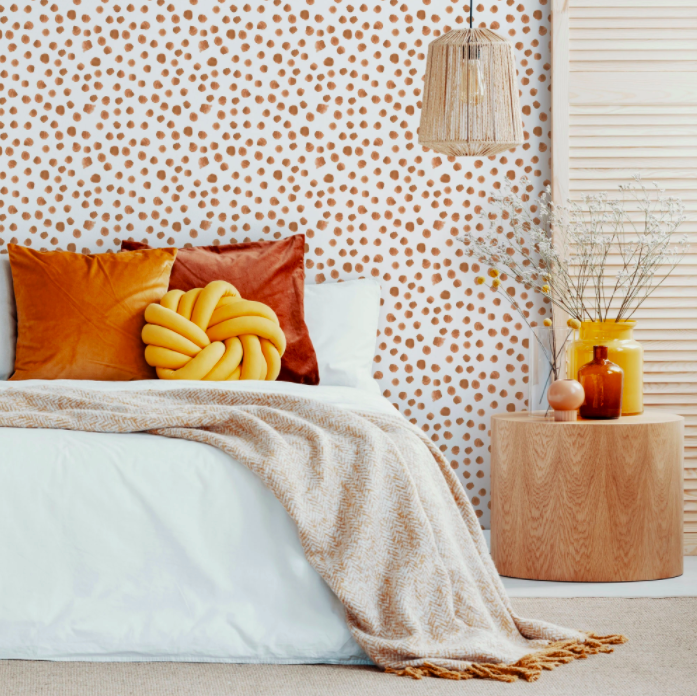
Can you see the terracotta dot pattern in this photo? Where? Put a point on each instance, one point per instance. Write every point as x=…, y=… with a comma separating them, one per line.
x=204, y=122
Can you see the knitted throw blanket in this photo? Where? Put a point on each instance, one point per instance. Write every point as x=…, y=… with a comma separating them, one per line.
x=381, y=516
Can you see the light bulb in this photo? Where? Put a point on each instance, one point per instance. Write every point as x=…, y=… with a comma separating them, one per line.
x=472, y=78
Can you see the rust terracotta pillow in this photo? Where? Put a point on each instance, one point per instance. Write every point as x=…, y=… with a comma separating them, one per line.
x=265, y=271
x=80, y=316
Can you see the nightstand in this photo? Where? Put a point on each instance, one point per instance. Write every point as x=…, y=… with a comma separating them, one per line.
x=587, y=500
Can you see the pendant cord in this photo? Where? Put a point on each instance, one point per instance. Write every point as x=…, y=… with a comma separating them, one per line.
x=471, y=8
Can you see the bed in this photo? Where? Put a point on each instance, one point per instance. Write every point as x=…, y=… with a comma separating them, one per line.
x=140, y=547
x=250, y=521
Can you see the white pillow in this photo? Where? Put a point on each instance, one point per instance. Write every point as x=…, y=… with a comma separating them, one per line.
x=8, y=319
x=343, y=322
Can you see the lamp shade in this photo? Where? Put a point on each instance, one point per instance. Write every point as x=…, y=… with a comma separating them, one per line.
x=470, y=105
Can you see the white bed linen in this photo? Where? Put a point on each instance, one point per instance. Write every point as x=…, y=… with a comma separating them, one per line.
x=140, y=547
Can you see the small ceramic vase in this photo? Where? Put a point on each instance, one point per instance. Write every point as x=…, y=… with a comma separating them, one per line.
x=565, y=396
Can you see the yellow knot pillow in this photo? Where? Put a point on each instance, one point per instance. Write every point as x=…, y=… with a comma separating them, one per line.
x=212, y=334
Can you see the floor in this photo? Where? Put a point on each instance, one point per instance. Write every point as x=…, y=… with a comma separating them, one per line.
x=683, y=586
x=660, y=659
x=659, y=618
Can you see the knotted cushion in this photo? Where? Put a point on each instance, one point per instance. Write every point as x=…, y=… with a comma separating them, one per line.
x=212, y=334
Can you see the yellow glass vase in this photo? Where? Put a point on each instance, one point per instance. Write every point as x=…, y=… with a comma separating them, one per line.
x=622, y=349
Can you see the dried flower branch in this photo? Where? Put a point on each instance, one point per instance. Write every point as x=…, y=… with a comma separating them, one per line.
x=552, y=349
x=602, y=260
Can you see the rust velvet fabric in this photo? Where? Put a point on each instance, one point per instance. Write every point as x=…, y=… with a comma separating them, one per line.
x=80, y=316
x=271, y=272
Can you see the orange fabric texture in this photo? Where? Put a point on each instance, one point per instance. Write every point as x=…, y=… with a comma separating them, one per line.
x=270, y=272
x=80, y=316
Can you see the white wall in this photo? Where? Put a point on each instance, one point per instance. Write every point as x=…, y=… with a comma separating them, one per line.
x=256, y=120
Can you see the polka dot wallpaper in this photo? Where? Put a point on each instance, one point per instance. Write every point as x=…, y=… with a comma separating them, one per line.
x=204, y=122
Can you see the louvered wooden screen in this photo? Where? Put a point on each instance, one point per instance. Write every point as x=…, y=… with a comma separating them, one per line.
x=625, y=101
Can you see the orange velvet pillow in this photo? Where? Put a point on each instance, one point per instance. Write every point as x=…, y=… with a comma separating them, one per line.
x=80, y=316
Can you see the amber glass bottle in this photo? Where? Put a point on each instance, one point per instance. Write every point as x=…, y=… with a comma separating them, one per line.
x=602, y=383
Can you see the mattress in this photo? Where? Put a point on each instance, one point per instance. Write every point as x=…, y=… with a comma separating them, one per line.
x=140, y=547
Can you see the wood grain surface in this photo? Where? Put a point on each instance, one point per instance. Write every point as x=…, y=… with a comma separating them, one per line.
x=587, y=501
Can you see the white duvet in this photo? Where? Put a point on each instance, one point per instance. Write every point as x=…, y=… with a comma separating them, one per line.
x=140, y=547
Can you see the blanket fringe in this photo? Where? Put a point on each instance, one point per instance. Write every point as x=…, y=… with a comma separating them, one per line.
x=529, y=667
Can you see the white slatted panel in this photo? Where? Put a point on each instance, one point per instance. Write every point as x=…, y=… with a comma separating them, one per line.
x=632, y=101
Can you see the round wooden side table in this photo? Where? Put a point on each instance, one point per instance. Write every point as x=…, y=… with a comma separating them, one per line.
x=587, y=501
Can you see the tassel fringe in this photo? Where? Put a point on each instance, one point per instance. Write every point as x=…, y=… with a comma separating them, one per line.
x=529, y=667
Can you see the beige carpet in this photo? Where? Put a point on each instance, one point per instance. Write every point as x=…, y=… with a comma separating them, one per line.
x=660, y=659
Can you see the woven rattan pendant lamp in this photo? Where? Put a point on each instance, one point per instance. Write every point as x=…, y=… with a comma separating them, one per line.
x=470, y=105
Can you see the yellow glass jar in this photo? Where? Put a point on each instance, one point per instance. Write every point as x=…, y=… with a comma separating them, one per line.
x=622, y=349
